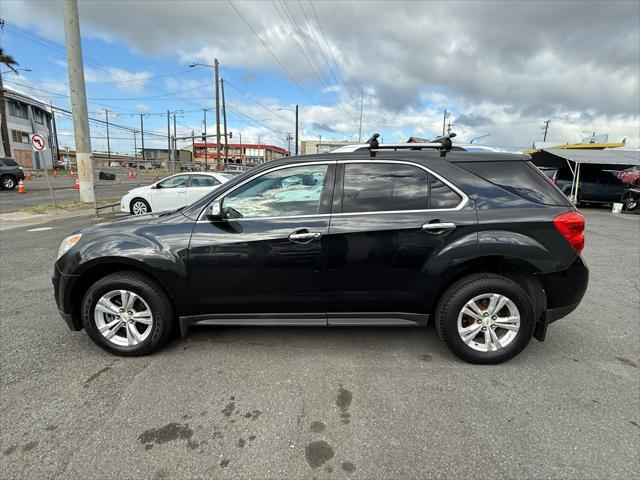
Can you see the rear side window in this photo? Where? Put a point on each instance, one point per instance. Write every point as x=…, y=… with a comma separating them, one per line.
x=9, y=162
x=380, y=187
x=520, y=178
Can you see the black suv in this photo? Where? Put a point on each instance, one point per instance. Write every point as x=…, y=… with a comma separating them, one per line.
x=482, y=244
x=10, y=173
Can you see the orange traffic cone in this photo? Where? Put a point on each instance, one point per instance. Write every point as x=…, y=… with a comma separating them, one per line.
x=21, y=187
x=77, y=187
x=27, y=176
x=55, y=174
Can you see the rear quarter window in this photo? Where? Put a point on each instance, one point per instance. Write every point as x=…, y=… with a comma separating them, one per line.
x=518, y=177
x=9, y=162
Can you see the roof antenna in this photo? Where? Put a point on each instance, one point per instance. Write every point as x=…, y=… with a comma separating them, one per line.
x=373, y=144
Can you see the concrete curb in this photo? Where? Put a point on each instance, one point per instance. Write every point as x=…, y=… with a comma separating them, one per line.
x=11, y=220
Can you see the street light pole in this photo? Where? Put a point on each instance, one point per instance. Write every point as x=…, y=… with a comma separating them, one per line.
x=296, y=129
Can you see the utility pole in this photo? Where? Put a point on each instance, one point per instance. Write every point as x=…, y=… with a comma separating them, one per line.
x=224, y=117
x=106, y=116
x=142, y=135
x=296, y=129
x=360, y=127
x=546, y=129
x=135, y=145
x=55, y=132
x=204, y=137
x=78, y=96
x=289, y=137
x=169, y=152
x=193, y=146
x=218, y=156
x=319, y=144
x=444, y=120
x=242, y=157
x=176, y=157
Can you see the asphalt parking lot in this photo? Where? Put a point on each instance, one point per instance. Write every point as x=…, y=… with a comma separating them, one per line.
x=320, y=403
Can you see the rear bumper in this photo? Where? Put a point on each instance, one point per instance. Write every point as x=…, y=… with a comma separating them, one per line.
x=564, y=291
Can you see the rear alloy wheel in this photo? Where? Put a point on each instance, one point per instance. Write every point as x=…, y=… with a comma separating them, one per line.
x=127, y=313
x=140, y=207
x=485, y=318
x=8, y=183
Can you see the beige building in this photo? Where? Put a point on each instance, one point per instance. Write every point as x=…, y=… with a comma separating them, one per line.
x=312, y=147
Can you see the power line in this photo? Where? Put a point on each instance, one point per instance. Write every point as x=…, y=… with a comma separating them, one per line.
x=270, y=52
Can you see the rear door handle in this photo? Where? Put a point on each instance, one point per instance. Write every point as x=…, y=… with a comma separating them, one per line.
x=438, y=227
x=304, y=237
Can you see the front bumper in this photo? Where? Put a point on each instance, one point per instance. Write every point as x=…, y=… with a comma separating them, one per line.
x=62, y=285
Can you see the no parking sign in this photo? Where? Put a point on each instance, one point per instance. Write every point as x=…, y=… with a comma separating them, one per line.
x=37, y=142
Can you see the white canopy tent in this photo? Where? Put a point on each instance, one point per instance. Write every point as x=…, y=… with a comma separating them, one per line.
x=609, y=158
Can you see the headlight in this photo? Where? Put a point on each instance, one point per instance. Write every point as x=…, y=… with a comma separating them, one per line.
x=67, y=243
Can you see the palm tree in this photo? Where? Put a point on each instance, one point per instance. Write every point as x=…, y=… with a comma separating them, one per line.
x=11, y=64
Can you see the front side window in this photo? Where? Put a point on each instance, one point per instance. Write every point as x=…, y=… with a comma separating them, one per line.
x=383, y=187
x=204, y=181
x=289, y=191
x=173, y=182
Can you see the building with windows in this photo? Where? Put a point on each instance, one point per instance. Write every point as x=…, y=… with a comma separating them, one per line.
x=242, y=155
x=25, y=116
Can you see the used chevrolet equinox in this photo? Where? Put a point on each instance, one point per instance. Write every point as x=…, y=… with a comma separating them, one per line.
x=481, y=244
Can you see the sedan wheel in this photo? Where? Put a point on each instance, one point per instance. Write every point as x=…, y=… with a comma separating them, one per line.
x=140, y=207
x=488, y=322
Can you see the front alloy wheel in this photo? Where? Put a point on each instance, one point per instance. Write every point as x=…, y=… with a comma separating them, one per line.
x=127, y=313
x=123, y=318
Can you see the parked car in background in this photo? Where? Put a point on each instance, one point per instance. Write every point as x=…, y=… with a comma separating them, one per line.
x=595, y=185
x=630, y=176
x=10, y=173
x=481, y=244
x=171, y=193
x=191, y=167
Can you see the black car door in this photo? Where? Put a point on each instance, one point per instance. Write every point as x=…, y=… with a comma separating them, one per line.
x=390, y=221
x=265, y=261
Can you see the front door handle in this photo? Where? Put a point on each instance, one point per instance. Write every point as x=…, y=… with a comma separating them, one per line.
x=304, y=236
x=438, y=227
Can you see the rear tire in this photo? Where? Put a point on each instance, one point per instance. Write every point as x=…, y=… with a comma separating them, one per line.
x=489, y=337
x=109, y=315
x=139, y=206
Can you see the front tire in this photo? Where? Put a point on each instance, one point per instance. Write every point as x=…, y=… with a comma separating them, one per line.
x=485, y=319
x=8, y=182
x=139, y=206
x=125, y=313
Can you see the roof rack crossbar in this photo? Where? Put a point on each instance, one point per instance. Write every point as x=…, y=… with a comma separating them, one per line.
x=443, y=144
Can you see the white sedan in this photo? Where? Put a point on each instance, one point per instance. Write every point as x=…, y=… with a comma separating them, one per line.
x=172, y=192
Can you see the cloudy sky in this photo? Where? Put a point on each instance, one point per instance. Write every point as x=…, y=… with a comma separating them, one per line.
x=501, y=68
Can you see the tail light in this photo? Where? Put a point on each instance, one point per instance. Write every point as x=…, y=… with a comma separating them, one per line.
x=571, y=226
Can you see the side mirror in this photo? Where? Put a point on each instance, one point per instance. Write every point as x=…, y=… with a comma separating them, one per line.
x=213, y=211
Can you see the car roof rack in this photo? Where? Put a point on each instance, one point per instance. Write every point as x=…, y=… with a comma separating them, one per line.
x=443, y=144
